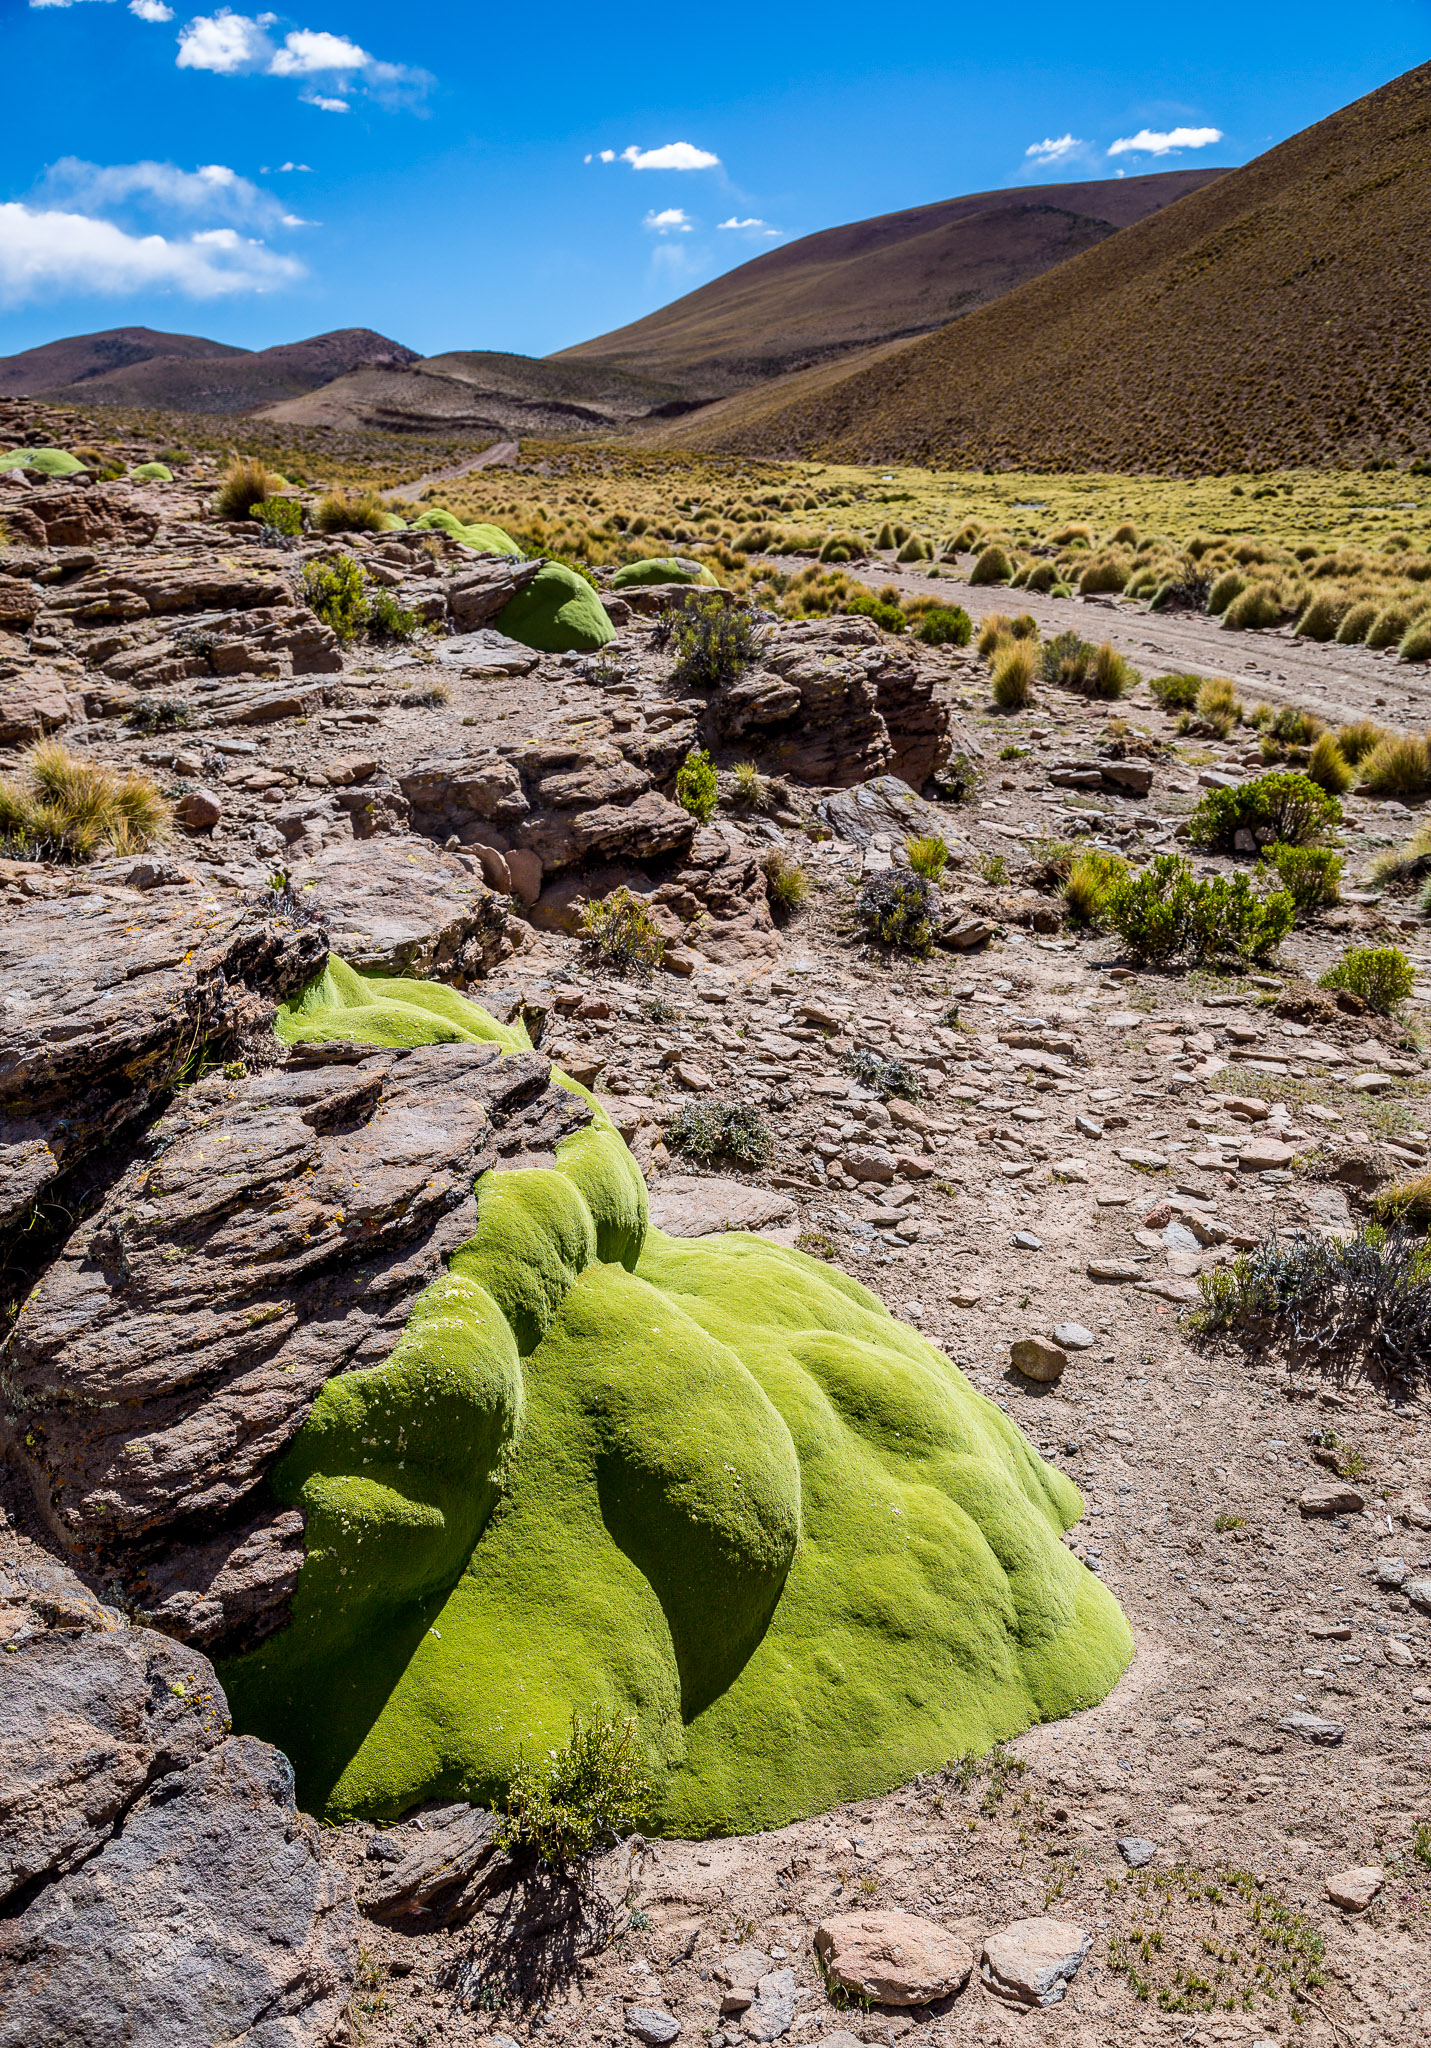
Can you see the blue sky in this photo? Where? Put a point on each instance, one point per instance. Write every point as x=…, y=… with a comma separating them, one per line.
x=462, y=177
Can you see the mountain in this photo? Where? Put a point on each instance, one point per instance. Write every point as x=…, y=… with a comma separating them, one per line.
x=874, y=281
x=231, y=380
x=56, y=365
x=1280, y=316
x=482, y=391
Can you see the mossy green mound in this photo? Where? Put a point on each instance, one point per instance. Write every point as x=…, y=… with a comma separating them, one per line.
x=713, y=1486
x=558, y=613
x=152, y=473
x=489, y=540
x=662, y=569
x=46, y=461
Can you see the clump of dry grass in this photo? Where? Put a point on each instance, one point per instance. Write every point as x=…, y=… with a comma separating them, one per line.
x=337, y=514
x=1014, y=668
x=1399, y=765
x=1360, y=738
x=58, y=806
x=246, y=482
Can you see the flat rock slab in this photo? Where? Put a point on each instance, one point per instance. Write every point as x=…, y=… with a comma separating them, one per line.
x=1354, y=1890
x=689, y=1206
x=1332, y=1500
x=1265, y=1155
x=652, y=2024
x=1033, y=1962
x=1073, y=1337
x=1114, y=1270
x=894, y=1958
x=487, y=653
x=1312, y=1728
x=395, y=905
x=883, y=805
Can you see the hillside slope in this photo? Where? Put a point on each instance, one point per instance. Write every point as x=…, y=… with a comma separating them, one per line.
x=480, y=391
x=873, y=281
x=232, y=381
x=1280, y=316
x=80, y=358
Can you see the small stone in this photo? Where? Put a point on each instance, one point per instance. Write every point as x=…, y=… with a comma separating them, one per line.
x=1264, y=1155
x=1389, y=1571
x=1111, y=1269
x=652, y=2023
x=1332, y=1500
x=1033, y=1962
x=1354, y=1890
x=868, y=1162
x=525, y=869
x=1251, y=1109
x=772, y=2013
x=1158, y=1218
x=1397, y=1653
x=894, y=1958
x=1089, y=1126
x=1135, y=1851
x=1418, y=1592
x=1073, y=1337
x=679, y=960
x=350, y=768
x=1026, y=1241
x=1312, y=1728
x=1037, y=1359
x=693, y=1077
x=1075, y=1170
x=199, y=810
x=1133, y=1155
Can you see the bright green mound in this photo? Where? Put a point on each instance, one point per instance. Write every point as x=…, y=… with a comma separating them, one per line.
x=558, y=613
x=47, y=461
x=710, y=1485
x=152, y=473
x=489, y=540
x=662, y=569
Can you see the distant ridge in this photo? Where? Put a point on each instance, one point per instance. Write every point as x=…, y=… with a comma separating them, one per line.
x=83, y=357
x=1280, y=316
x=872, y=281
x=222, y=380
x=482, y=391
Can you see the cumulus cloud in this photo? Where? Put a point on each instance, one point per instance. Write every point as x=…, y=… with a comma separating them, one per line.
x=671, y=156
x=1054, y=149
x=213, y=190
x=1156, y=142
x=233, y=45
x=671, y=220
x=45, y=253
x=751, y=226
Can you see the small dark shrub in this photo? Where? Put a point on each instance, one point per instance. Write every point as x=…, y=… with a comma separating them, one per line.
x=337, y=591
x=897, y=908
x=279, y=515
x=389, y=620
x=1176, y=693
x=1381, y=976
x=1163, y=912
x=158, y=714
x=714, y=644
x=1286, y=807
x=958, y=780
x=707, y=1131
x=886, y=1077
x=1065, y=660
x=584, y=1796
x=619, y=931
x=945, y=626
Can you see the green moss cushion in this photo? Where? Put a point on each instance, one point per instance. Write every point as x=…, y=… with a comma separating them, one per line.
x=47, y=461
x=488, y=540
x=665, y=569
x=558, y=612
x=709, y=1485
x=152, y=473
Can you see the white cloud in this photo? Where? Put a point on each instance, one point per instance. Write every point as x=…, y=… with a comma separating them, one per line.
x=295, y=167
x=212, y=189
x=671, y=156
x=1054, y=149
x=1153, y=142
x=232, y=44
x=671, y=220
x=151, y=10
x=738, y=225
x=45, y=253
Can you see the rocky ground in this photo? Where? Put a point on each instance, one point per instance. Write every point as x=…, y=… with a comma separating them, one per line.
x=1078, y=1141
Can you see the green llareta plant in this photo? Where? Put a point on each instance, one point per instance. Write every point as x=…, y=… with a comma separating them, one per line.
x=707, y=1486
x=696, y=789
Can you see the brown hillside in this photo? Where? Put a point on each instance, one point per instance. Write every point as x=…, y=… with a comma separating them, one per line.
x=1281, y=316
x=236, y=381
x=479, y=391
x=873, y=281
x=80, y=358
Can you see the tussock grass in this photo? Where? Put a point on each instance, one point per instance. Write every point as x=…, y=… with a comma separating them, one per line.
x=1328, y=766
x=1012, y=675
x=58, y=806
x=786, y=884
x=337, y=514
x=1360, y=738
x=993, y=566
x=1399, y=765
x=246, y=482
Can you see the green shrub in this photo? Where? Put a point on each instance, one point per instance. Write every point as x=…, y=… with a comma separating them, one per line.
x=337, y=591
x=1176, y=693
x=1399, y=765
x=889, y=617
x=707, y=1131
x=1101, y=577
x=1252, y=609
x=897, y=908
x=958, y=780
x=1416, y=641
x=1356, y=622
x=993, y=566
x=1149, y=911
x=619, y=931
x=1328, y=766
x=1225, y=916
x=1311, y=875
x=1387, y=628
x=1023, y=626
x=279, y=515
x=1360, y=738
x=1381, y=975
x=786, y=884
x=584, y=1796
x=389, y=620
x=246, y=482
x=1286, y=807
x=1090, y=877
x=1228, y=586
x=1012, y=675
x=714, y=644
x=928, y=857
x=696, y=789
x=1065, y=661
x=1164, y=911
x=945, y=626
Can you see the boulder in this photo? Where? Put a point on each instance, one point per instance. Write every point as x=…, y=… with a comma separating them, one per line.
x=102, y=1002
x=481, y=589
x=883, y=804
x=1037, y=1359
x=1033, y=1962
x=691, y=1206
x=487, y=652
x=1135, y=778
x=32, y=705
x=399, y=905
x=894, y=1958
x=57, y=517
x=558, y=612
x=147, y=1458
x=648, y=828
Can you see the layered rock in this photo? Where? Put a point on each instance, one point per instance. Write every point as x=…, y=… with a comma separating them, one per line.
x=272, y=1230
x=396, y=904
x=71, y=516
